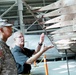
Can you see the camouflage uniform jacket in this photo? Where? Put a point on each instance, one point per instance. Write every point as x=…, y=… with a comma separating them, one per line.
x=7, y=62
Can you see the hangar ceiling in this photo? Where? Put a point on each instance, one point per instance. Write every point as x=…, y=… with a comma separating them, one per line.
x=9, y=10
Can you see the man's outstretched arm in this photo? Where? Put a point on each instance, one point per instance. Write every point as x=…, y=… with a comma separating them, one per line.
x=37, y=55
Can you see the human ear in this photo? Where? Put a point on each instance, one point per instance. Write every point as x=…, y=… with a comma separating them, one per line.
x=1, y=32
x=1, y=29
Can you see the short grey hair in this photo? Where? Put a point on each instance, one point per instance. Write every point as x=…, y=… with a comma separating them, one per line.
x=17, y=32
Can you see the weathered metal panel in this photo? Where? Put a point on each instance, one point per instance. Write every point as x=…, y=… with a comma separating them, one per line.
x=62, y=11
x=66, y=20
x=62, y=24
x=63, y=30
x=69, y=35
x=61, y=18
x=58, y=4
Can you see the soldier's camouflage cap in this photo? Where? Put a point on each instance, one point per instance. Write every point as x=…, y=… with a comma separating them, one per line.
x=3, y=23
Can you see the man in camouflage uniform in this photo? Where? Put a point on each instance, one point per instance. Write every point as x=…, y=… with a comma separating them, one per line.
x=7, y=62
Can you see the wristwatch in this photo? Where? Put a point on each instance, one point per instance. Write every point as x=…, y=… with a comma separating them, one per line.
x=40, y=44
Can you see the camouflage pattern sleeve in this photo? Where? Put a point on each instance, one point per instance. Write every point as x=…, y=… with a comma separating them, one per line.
x=7, y=62
x=1, y=59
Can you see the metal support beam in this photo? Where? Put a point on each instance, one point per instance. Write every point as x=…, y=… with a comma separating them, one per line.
x=38, y=31
x=8, y=9
x=67, y=62
x=29, y=9
x=20, y=9
x=38, y=21
x=32, y=24
x=44, y=2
